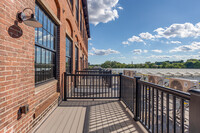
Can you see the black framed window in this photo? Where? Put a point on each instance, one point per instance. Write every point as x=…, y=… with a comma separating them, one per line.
x=76, y=58
x=68, y=55
x=77, y=11
x=45, y=47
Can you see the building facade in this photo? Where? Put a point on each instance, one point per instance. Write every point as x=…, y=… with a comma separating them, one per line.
x=33, y=60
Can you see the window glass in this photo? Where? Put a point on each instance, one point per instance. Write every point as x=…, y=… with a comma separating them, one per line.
x=44, y=48
x=68, y=54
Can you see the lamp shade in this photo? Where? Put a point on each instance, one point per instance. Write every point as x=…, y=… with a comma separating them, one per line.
x=32, y=22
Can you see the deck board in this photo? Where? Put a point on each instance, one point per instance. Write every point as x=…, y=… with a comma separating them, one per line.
x=87, y=116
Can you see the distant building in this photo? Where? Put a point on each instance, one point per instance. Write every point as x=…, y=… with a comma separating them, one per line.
x=33, y=60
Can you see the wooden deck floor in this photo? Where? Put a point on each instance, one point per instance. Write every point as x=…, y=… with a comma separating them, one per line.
x=99, y=116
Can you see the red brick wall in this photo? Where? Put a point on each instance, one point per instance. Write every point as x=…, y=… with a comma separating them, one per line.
x=17, y=68
x=17, y=85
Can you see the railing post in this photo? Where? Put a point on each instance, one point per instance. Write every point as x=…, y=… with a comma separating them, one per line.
x=65, y=88
x=194, y=119
x=137, y=99
x=120, y=89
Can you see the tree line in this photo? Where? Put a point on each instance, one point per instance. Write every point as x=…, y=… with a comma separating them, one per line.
x=190, y=63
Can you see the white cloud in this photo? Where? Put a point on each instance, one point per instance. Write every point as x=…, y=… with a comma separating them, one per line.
x=159, y=57
x=157, y=51
x=89, y=39
x=139, y=51
x=174, y=57
x=175, y=42
x=125, y=42
x=146, y=36
x=90, y=54
x=187, y=48
x=184, y=30
x=95, y=51
x=121, y=8
x=179, y=30
x=102, y=11
x=135, y=39
x=90, y=44
x=122, y=57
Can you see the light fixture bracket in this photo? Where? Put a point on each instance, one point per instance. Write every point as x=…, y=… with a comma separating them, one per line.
x=28, y=20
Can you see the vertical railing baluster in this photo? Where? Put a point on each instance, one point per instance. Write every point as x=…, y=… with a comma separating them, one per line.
x=157, y=107
x=182, y=115
x=87, y=84
x=72, y=87
x=174, y=113
x=161, y=112
x=145, y=105
x=90, y=87
x=153, y=110
x=75, y=85
x=167, y=109
x=82, y=92
x=109, y=87
x=65, y=88
x=93, y=77
x=96, y=86
x=114, y=86
x=99, y=86
x=149, y=114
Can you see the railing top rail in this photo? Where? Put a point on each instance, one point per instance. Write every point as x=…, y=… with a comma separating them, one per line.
x=125, y=76
x=93, y=71
x=175, y=92
x=92, y=74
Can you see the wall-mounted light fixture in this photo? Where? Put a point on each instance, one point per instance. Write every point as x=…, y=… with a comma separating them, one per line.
x=28, y=20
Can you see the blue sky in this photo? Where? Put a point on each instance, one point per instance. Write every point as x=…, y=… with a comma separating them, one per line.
x=143, y=30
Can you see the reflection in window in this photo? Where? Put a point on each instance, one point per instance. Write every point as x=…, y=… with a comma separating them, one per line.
x=44, y=47
x=68, y=54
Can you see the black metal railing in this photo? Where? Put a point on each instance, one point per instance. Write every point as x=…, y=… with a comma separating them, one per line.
x=91, y=86
x=128, y=92
x=94, y=72
x=157, y=108
x=163, y=109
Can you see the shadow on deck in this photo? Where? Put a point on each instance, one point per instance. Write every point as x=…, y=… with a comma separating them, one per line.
x=87, y=116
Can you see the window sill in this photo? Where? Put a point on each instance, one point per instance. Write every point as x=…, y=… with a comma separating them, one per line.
x=45, y=85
